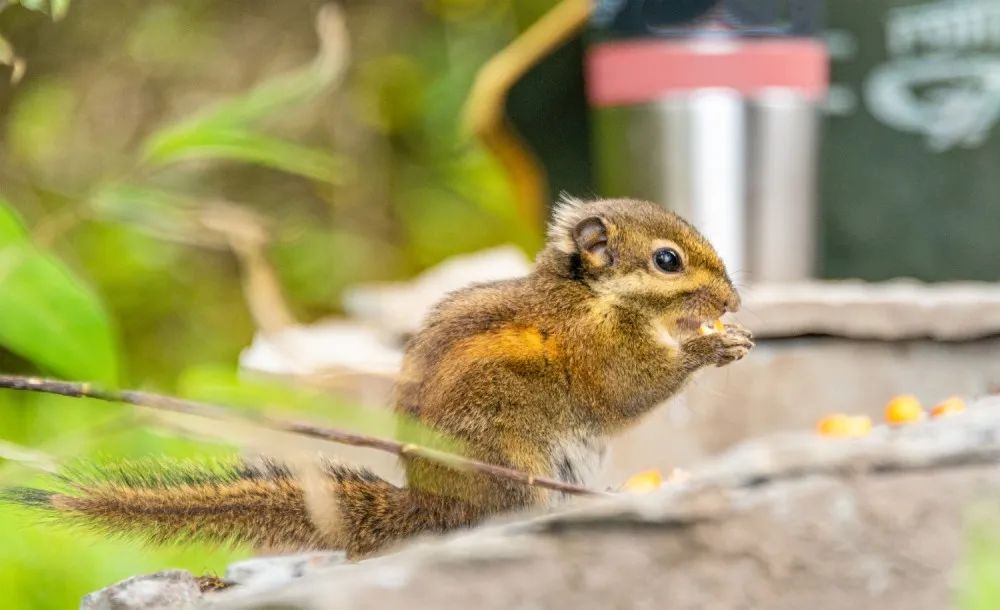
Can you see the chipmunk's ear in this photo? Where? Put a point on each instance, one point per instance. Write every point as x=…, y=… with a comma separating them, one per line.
x=576, y=229
x=591, y=238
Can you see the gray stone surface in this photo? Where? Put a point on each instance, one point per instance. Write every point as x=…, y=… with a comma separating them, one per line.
x=162, y=590
x=898, y=309
x=787, y=522
x=789, y=384
x=276, y=571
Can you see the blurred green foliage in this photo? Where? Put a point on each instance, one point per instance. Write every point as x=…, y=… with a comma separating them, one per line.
x=48, y=316
x=132, y=119
x=979, y=586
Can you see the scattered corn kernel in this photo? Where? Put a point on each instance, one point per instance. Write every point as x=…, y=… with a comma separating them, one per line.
x=949, y=406
x=648, y=480
x=905, y=409
x=715, y=326
x=843, y=425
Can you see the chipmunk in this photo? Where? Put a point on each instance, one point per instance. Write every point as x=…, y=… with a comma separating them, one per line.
x=534, y=374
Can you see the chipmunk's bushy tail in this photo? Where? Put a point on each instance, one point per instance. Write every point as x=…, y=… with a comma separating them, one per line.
x=263, y=504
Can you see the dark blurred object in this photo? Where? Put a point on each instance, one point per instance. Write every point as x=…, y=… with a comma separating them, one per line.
x=710, y=108
x=630, y=18
x=541, y=50
x=549, y=108
x=908, y=181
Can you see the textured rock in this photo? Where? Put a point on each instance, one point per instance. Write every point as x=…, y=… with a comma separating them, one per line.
x=789, y=384
x=162, y=590
x=900, y=309
x=276, y=571
x=787, y=522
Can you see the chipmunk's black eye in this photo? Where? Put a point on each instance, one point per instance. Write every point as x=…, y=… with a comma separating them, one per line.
x=668, y=260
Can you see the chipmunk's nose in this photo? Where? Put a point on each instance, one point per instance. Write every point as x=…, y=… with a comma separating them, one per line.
x=724, y=295
x=733, y=301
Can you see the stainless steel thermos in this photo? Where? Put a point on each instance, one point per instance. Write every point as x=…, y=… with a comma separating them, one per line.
x=711, y=107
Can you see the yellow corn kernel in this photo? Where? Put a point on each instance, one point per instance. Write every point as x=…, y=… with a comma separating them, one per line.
x=904, y=409
x=843, y=425
x=715, y=326
x=949, y=406
x=647, y=480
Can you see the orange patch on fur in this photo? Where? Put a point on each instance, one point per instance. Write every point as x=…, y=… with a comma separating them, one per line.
x=510, y=342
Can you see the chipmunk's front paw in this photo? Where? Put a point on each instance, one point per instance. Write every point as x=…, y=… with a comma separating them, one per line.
x=720, y=348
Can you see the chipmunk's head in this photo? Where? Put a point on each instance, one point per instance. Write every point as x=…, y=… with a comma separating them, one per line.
x=638, y=255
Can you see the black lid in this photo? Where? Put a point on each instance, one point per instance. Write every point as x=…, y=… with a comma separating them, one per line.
x=686, y=18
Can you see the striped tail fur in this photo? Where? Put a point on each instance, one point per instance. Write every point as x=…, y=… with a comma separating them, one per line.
x=263, y=504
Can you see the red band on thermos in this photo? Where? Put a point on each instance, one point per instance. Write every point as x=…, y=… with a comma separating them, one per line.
x=635, y=72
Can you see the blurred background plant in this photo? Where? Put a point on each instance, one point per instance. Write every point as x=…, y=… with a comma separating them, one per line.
x=980, y=577
x=128, y=128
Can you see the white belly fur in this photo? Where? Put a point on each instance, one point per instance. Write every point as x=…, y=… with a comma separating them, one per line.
x=578, y=459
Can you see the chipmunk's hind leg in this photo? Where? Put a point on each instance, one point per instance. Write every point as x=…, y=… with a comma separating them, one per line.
x=372, y=514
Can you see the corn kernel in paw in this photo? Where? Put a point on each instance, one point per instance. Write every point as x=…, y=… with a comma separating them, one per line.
x=902, y=410
x=715, y=326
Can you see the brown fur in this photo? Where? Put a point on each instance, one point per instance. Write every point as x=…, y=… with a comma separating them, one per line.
x=531, y=373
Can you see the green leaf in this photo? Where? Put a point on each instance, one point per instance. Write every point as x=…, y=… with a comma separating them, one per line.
x=40, y=118
x=34, y=5
x=59, y=9
x=11, y=228
x=155, y=210
x=225, y=130
x=48, y=315
x=248, y=147
x=263, y=101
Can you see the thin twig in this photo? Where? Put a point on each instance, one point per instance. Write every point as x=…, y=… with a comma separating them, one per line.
x=189, y=407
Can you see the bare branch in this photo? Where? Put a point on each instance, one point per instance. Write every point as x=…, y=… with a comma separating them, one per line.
x=189, y=407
